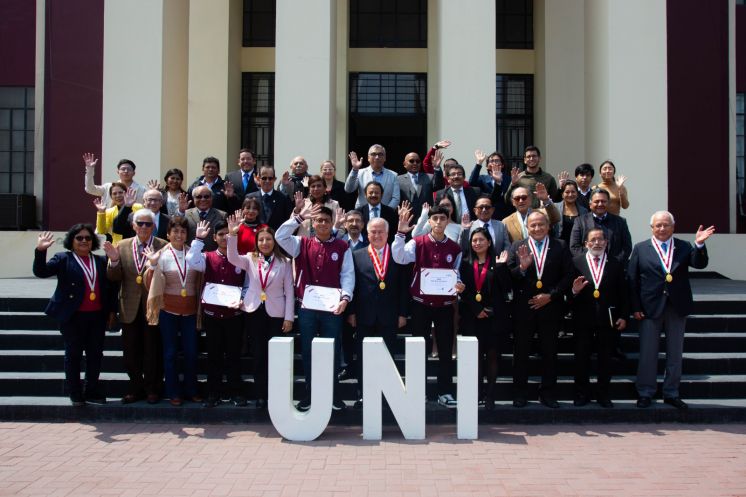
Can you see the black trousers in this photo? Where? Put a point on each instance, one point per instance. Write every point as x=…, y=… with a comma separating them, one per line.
x=605, y=342
x=262, y=327
x=224, y=337
x=143, y=356
x=526, y=325
x=84, y=332
x=423, y=317
x=388, y=333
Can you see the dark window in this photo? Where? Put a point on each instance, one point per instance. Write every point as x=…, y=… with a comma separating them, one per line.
x=515, y=115
x=259, y=23
x=740, y=166
x=388, y=23
x=258, y=115
x=388, y=93
x=17, y=140
x=514, y=24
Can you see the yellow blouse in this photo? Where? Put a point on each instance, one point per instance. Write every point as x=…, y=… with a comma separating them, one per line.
x=105, y=222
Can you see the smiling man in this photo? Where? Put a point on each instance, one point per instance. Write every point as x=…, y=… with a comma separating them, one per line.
x=360, y=176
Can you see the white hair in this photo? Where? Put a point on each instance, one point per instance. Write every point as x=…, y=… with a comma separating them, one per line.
x=379, y=220
x=662, y=213
x=375, y=147
x=143, y=213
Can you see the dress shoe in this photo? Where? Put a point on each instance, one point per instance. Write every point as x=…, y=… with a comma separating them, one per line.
x=605, y=402
x=95, y=398
x=196, y=398
x=212, y=401
x=77, y=399
x=153, y=398
x=130, y=398
x=580, y=400
x=358, y=404
x=549, y=402
x=261, y=404
x=644, y=402
x=676, y=402
x=338, y=405
x=519, y=402
x=176, y=402
x=304, y=405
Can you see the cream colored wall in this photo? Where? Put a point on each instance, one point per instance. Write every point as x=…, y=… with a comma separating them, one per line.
x=41, y=17
x=257, y=59
x=174, y=85
x=388, y=60
x=341, y=98
x=515, y=61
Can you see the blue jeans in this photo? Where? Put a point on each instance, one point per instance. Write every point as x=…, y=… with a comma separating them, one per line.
x=173, y=326
x=324, y=325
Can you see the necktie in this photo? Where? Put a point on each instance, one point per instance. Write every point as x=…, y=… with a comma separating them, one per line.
x=245, y=181
x=374, y=213
x=202, y=215
x=457, y=200
x=267, y=207
x=596, y=260
x=664, y=246
x=414, y=180
x=538, y=246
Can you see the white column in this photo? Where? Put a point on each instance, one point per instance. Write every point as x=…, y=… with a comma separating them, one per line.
x=305, y=82
x=468, y=388
x=463, y=80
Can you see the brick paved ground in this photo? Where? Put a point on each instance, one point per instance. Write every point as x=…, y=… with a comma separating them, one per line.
x=169, y=459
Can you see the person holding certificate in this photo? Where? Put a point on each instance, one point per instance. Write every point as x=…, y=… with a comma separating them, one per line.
x=270, y=299
x=483, y=309
x=599, y=308
x=541, y=270
x=324, y=282
x=172, y=303
x=221, y=317
x=433, y=289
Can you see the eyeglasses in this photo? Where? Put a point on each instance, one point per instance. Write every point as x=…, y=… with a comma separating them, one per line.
x=520, y=198
x=532, y=156
x=456, y=175
x=144, y=224
x=202, y=197
x=494, y=159
x=484, y=207
x=83, y=238
x=413, y=161
x=267, y=178
x=125, y=169
x=377, y=154
x=155, y=199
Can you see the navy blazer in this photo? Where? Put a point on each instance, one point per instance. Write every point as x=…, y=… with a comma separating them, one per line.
x=371, y=304
x=649, y=290
x=71, y=284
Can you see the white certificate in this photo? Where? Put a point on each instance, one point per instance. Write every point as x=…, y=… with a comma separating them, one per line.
x=321, y=298
x=438, y=281
x=223, y=295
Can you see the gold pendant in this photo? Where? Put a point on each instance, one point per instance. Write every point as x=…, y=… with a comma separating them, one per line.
x=183, y=292
x=478, y=298
x=669, y=278
x=596, y=294
x=382, y=285
x=92, y=296
x=139, y=279
x=539, y=284
x=263, y=296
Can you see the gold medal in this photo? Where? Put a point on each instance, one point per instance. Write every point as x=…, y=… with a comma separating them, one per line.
x=139, y=279
x=183, y=292
x=478, y=297
x=596, y=294
x=539, y=284
x=263, y=296
x=92, y=296
x=669, y=278
x=382, y=285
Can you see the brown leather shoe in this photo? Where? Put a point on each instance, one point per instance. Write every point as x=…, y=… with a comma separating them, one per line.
x=152, y=398
x=176, y=402
x=198, y=399
x=129, y=398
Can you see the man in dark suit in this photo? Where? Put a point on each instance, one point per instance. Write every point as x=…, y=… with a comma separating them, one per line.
x=499, y=234
x=223, y=194
x=153, y=200
x=415, y=186
x=599, y=307
x=276, y=206
x=494, y=182
x=462, y=198
x=243, y=180
x=541, y=269
x=202, y=212
x=619, y=240
x=375, y=209
x=661, y=298
x=380, y=283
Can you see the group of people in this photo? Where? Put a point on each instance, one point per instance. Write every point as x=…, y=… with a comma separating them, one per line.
x=507, y=253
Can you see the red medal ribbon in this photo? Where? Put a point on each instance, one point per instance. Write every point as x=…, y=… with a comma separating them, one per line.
x=182, y=274
x=139, y=261
x=479, y=278
x=90, y=273
x=596, y=271
x=380, y=267
x=539, y=259
x=263, y=283
x=667, y=258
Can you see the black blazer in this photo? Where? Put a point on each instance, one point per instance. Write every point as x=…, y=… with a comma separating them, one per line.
x=649, y=290
x=593, y=313
x=411, y=194
x=344, y=199
x=495, y=291
x=372, y=305
x=471, y=194
x=71, y=284
x=619, y=241
x=388, y=213
x=219, y=200
x=282, y=206
x=236, y=177
x=122, y=224
x=556, y=280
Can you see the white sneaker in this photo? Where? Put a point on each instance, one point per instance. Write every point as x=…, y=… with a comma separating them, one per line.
x=447, y=400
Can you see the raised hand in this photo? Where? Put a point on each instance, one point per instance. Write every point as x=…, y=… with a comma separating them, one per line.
x=130, y=196
x=203, y=229
x=405, y=217
x=502, y=258
x=299, y=202
x=152, y=254
x=339, y=218
x=437, y=159
x=310, y=211
x=355, y=161
x=497, y=174
x=234, y=222
x=620, y=180
x=285, y=178
x=153, y=184
x=541, y=192
x=563, y=177
x=443, y=144
x=480, y=156
x=425, y=207
x=703, y=234
x=111, y=251
x=230, y=190
x=466, y=221
x=183, y=202
x=89, y=160
x=578, y=284
x=514, y=173
x=404, y=205
x=44, y=240
x=525, y=257
x=99, y=204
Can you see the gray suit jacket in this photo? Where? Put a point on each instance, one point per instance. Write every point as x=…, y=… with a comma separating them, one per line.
x=416, y=196
x=500, y=242
x=213, y=216
x=357, y=180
